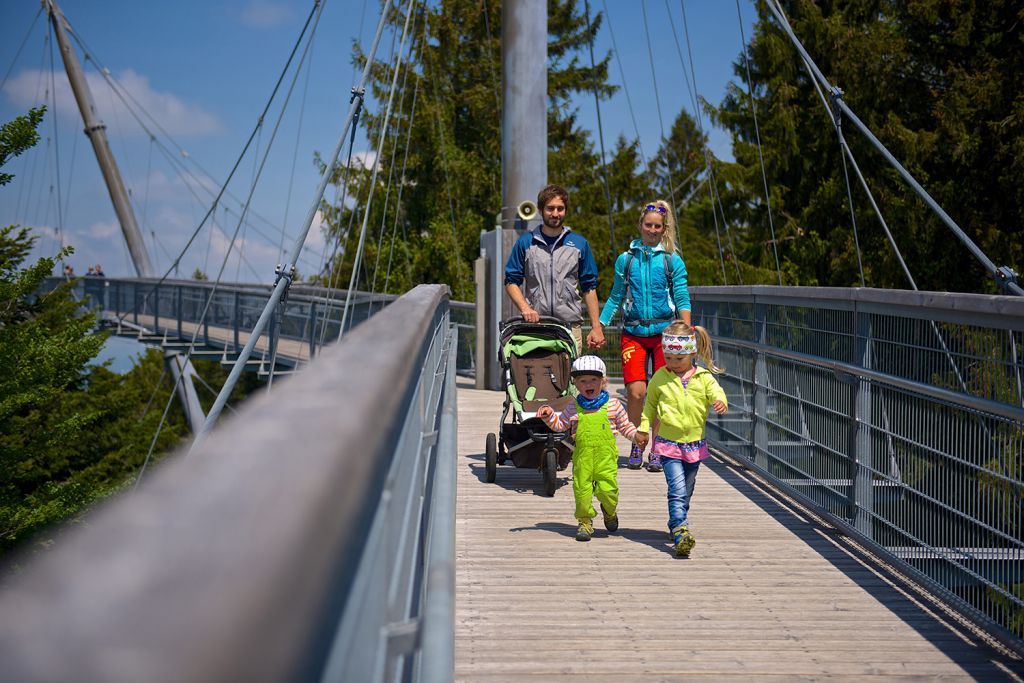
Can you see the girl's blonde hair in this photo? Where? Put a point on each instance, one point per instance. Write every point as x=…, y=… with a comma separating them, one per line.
x=703, y=342
x=668, y=238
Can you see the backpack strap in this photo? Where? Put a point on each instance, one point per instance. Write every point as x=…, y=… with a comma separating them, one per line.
x=627, y=298
x=668, y=277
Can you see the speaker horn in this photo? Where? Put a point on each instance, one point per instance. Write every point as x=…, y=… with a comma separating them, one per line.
x=526, y=210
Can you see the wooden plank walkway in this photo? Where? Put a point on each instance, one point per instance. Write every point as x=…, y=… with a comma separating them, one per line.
x=769, y=593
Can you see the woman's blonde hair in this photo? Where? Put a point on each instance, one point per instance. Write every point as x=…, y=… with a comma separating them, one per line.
x=703, y=342
x=668, y=238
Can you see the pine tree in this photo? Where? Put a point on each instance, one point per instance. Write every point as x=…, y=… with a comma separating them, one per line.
x=940, y=85
x=452, y=162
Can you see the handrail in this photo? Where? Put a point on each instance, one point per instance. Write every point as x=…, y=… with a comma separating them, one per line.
x=241, y=562
x=897, y=415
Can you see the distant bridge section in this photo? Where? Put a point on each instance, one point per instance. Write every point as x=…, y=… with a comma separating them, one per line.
x=170, y=314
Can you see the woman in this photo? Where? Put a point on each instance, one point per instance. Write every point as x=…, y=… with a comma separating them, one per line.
x=650, y=286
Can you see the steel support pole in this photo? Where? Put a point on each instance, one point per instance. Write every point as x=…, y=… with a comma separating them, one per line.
x=96, y=132
x=524, y=117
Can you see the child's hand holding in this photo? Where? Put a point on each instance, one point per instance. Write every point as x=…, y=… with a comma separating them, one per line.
x=641, y=439
x=545, y=412
x=720, y=407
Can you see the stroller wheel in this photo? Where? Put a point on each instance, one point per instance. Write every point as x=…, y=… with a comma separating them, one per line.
x=550, y=472
x=492, y=458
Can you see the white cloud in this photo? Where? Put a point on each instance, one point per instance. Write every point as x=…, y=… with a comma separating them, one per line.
x=161, y=186
x=103, y=230
x=315, y=239
x=265, y=14
x=364, y=159
x=173, y=114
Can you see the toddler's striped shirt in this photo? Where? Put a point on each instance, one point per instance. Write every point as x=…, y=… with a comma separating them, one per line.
x=617, y=416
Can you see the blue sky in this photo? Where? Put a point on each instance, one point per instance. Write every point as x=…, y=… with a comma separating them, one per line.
x=204, y=70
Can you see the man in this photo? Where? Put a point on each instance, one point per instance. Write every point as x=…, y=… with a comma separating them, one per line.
x=550, y=267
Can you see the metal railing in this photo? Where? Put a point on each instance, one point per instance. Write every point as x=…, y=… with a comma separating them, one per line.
x=898, y=415
x=309, y=315
x=310, y=537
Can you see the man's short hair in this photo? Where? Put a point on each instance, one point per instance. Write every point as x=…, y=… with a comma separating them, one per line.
x=549, y=193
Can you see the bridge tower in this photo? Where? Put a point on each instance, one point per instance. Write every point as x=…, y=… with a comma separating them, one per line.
x=96, y=131
x=524, y=169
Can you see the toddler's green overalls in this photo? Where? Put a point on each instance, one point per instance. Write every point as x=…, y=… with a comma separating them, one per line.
x=595, y=464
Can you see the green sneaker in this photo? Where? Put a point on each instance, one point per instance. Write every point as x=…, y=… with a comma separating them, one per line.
x=611, y=522
x=585, y=531
x=683, y=540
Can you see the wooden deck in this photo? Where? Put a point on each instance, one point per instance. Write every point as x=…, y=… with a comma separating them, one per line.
x=769, y=593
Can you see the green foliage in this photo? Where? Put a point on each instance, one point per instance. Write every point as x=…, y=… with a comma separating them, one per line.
x=446, y=144
x=940, y=84
x=18, y=135
x=71, y=432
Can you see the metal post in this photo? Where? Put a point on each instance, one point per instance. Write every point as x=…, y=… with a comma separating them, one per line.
x=524, y=122
x=760, y=445
x=312, y=329
x=862, y=495
x=96, y=132
x=180, y=313
x=235, y=321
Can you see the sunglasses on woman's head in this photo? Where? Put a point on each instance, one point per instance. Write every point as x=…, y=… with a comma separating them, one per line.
x=651, y=207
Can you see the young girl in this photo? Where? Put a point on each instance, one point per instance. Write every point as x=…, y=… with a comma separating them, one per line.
x=680, y=395
x=650, y=286
x=595, y=459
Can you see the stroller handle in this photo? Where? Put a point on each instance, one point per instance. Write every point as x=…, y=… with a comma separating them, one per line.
x=542, y=319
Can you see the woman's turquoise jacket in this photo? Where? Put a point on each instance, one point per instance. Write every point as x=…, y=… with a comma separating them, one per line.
x=654, y=300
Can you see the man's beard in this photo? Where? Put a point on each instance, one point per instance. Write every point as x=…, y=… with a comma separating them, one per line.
x=553, y=222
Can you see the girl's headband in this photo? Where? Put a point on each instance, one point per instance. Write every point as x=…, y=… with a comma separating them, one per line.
x=678, y=345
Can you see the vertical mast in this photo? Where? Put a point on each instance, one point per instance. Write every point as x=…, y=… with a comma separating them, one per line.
x=96, y=131
x=524, y=118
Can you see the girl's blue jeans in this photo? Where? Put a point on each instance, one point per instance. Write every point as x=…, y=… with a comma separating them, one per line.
x=681, y=477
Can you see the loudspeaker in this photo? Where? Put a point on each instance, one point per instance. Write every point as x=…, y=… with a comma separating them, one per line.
x=526, y=210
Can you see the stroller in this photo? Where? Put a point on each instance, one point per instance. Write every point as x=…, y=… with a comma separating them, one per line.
x=536, y=360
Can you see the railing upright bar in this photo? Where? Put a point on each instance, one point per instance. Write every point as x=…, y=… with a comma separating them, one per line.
x=236, y=318
x=437, y=626
x=760, y=445
x=860, y=454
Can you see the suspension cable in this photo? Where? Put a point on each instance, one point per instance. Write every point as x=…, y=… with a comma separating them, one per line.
x=657, y=103
x=401, y=182
x=298, y=43
x=600, y=134
x=284, y=273
x=391, y=176
x=295, y=158
x=713, y=185
x=1004, y=276
x=24, y=41
x=316, y=12
x=760, y=153
x=625, y=86
x=444, y=160
x=376, y=168
x=56, y=142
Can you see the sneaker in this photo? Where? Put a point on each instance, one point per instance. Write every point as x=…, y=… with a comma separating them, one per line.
x=584, y=532
x=636, y=458
x=654, y=463
x=611, y=522
x=684, y=540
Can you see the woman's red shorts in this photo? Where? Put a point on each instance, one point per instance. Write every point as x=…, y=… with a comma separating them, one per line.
x=635, y=352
